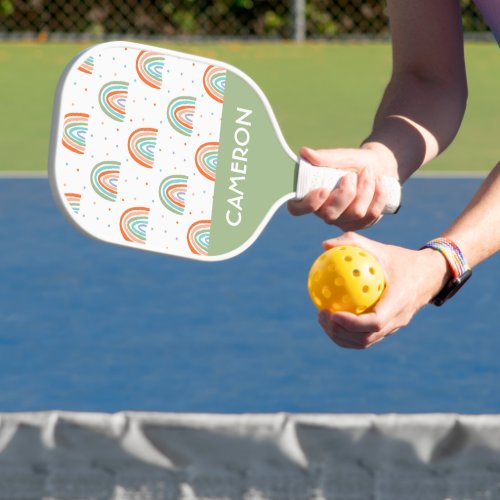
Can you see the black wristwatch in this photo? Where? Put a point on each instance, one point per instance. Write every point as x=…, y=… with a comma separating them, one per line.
x=460, y=270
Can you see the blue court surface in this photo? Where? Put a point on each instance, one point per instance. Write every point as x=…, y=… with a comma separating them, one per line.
x=92, y=327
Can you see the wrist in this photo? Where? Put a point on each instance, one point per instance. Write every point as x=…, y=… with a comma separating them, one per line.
x=437, y=273
x=458, y=268
x=388, y=165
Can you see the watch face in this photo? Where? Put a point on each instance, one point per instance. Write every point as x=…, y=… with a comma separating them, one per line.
x=451, y=288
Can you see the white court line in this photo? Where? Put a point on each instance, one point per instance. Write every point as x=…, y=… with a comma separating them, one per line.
x=453, y=174
x=23, y=175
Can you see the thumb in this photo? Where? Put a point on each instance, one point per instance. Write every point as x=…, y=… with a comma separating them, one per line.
x=348, y=238
x=353, y=159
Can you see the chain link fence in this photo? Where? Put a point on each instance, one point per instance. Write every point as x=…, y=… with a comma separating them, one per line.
x=283, y=19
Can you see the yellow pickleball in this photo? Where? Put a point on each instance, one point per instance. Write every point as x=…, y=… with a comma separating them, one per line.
x=346, y=278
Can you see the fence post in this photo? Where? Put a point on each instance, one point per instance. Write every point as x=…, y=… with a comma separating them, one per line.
x=299, y=20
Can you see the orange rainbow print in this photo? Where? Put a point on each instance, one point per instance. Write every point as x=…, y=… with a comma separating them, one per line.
x=134, y=223
x=75, y=130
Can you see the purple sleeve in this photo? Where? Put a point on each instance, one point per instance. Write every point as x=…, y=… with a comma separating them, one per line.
x=490, y=9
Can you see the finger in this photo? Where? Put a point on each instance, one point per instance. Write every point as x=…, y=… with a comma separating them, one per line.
x=376, y=324
x=373, y=213
x=344, y=344
x=354, y=340
x=379, y=200
x=348, y=338
x=355, y=216
x=339, y=199
x=342, y=340
x=340, y=335
x=362, y=340
x=364, y=196
x=310, y=203
x=356, y=225
x=363, y=324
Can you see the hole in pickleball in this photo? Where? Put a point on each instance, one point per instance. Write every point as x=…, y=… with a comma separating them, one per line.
x=317, y=300
x=362, y=254
x=348, y=258
x=317, y=276
x=372, y=270
x=366, y=289
x=327, y=293
x=356, y=273
x=339, y=281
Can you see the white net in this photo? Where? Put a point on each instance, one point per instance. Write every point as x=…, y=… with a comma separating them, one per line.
x=152, y=456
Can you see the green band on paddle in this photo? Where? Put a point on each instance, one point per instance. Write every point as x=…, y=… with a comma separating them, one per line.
x=253, y=170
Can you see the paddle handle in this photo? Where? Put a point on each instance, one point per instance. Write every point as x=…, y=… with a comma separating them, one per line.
x=312, y=177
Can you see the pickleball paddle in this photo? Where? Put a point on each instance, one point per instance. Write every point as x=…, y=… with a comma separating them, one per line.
x=172, y=153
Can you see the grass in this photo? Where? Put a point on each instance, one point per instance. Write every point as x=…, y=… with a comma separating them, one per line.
x=323, y=94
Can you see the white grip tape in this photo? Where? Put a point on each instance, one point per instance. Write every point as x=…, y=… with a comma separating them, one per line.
x=311, y=177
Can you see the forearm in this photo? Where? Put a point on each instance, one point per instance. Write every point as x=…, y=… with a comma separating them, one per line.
x=477, y=230
x=416, y=121
x=424, y=103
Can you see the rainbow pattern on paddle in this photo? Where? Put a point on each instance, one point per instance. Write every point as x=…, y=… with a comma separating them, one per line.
x=104, y=179
x=134, y=224
x=141, y=146
x=173, y=193
x=73, y=200
x=206, y=159
x=75, y=131
x=214, y=81
x=87, y=66
x=113, y=98
x=149, y=66
x=198, y=237
x=180, y=114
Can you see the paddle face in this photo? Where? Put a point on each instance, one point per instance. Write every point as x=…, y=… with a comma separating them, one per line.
x=167, y=152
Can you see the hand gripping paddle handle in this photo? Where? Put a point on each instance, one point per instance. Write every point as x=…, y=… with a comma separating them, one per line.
x=312, y=177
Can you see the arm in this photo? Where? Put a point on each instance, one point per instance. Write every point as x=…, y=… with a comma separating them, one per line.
x=419, y=115
x=424, y=103
x=415, y=277
x=477, y=230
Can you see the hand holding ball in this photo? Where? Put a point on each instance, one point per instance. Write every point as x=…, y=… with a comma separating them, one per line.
x=346, y=278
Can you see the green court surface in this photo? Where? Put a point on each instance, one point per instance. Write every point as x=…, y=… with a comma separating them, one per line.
x=323, y=94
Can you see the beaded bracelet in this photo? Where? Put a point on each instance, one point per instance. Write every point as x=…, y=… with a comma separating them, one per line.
x=459, y=267
x=452, y=254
